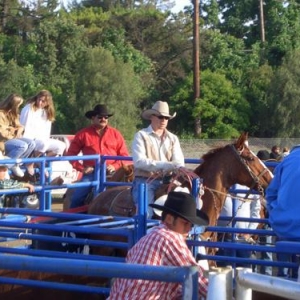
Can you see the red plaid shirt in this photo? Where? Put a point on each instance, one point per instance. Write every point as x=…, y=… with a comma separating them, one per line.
x=161, y=247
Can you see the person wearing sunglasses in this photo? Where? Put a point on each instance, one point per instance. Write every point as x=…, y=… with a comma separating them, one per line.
x=155, y=151
x=98, y=138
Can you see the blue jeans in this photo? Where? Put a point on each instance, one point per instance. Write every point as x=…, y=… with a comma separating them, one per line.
x=80, y=194
x=241, y=253
x=287, y=257
x=266, y=240
x=152, y=186
x=19, y=148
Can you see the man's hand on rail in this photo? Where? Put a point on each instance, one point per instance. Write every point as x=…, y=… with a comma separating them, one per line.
x=88, y=170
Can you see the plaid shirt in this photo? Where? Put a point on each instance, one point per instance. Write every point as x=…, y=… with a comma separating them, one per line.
x=10, y=184
x=161, y=247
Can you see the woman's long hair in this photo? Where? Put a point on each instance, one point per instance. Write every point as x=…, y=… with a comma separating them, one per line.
x=49, y=108
x=10, y=106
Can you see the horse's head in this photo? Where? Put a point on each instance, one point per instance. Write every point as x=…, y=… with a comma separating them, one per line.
x=257, y=175
x=225, y=166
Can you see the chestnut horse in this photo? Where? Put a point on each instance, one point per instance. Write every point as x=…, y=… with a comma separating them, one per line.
x=123, y=174
x=221, y=168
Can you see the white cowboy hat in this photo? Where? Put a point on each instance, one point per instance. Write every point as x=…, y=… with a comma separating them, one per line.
x=162, y=199
x=160, y=108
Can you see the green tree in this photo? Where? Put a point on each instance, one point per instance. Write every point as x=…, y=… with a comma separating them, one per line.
x=16, y=79
x=256, y=88
x=284, y=98
x=103, y=79
x=223, y=110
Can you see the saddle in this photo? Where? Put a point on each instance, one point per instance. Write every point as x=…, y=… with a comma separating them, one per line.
x=123, y=205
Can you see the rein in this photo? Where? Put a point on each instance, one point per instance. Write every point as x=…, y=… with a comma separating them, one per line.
x=255, y=178
x=255, y=181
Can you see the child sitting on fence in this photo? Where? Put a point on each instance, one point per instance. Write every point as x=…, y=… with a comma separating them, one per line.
x=7, y=183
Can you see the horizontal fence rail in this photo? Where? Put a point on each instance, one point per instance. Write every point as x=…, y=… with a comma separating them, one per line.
x=187, y=276
x=131, y=228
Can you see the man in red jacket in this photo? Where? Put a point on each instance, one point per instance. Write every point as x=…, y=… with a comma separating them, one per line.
x=98, y=138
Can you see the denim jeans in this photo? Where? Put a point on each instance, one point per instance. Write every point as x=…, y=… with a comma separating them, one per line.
x=152, y=186
x=286, y=257
x=80, y=194
x=241, y=253
x=266, y=240
x=19, y=148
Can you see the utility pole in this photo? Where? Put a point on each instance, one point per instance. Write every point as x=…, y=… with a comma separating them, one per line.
x=196, y=62
x=262, y=21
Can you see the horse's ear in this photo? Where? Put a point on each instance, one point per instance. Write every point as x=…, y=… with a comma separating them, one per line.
x=241, y=141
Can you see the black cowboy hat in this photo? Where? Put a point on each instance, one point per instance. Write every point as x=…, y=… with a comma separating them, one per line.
x=99, y=110
x=183, y=205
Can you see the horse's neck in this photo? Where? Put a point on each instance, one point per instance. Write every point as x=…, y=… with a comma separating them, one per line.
x=216, y=187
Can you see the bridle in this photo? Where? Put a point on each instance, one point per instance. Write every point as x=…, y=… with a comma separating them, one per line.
x=256, y=179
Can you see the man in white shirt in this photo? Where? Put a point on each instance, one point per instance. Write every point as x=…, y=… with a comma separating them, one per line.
x=156, y=152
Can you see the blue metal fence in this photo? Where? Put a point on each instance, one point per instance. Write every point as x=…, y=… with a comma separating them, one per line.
x=78, y=224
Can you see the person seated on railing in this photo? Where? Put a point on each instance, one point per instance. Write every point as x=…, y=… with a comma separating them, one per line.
x=164, y=245
x=37, y=117
x=7, y=183
x=283, y=203
x=12, y=143
x=155, y=151
x=98, y=138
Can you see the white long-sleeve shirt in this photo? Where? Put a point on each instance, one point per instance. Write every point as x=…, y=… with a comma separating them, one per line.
x=243, y=209
x=35, y=123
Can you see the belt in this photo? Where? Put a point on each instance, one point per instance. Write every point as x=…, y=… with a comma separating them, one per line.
x=166, y=179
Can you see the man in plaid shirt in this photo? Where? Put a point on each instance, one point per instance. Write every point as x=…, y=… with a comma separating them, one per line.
x=165, y=245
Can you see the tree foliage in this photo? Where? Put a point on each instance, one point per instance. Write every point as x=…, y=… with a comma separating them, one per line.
x=103, y=79
x=129, y=54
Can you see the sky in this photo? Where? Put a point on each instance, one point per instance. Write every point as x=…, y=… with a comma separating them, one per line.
x=180, y=4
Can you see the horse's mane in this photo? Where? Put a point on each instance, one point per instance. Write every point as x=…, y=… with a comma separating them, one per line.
x=212, y=153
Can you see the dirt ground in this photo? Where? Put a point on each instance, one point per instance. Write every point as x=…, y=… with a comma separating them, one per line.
x=57, y=203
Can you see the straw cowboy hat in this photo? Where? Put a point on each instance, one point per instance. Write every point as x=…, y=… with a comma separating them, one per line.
x=160, y=108
x=183, y=205
x=99, y=110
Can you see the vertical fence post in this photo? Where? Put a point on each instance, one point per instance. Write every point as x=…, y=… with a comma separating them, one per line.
x=242, y=292
x=190, y=284
x=97, y=175
x=195, y=187
x=43, y=205
x=102, y=174
x=142, y=210
x=220, y=284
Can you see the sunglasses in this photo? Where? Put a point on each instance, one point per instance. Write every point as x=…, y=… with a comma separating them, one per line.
x=162, y=117
x=102, y=117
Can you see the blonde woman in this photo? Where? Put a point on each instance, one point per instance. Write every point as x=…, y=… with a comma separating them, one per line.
x=37, y=117
x=11, y=141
